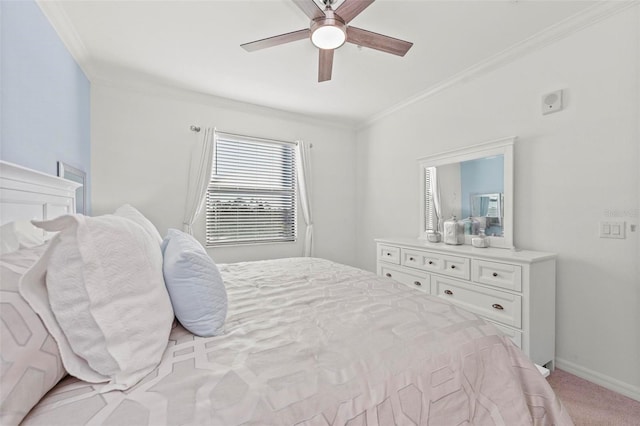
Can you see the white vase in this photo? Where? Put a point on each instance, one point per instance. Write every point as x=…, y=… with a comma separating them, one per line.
x=453, y=231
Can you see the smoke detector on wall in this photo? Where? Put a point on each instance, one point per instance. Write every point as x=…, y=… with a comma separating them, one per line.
x=552, y=102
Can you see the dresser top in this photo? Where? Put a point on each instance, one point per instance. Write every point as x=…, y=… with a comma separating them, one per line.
x=523, y=256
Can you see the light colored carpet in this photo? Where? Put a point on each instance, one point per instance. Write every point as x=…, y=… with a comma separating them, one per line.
x=592, y=405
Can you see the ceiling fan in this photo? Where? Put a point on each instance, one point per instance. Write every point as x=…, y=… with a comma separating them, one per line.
x=329, y=30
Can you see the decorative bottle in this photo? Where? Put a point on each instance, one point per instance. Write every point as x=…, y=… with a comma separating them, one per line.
x=481, y=240
x=453, y=231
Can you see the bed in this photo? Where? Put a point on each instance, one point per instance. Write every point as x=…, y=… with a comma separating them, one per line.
x=305, y=341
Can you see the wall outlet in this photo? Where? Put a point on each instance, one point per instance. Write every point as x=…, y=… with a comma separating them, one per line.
x=612, y=230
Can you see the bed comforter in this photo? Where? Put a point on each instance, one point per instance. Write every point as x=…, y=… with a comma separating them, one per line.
x=312, y=342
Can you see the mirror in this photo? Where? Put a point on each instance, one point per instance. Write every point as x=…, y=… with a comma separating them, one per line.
x=78, y=176
x=475, y=184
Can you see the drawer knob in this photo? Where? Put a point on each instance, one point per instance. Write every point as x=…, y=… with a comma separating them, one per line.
x=411, y=258
x=388, y=275
x=498, y=307
x=431, y=262
x=417, y=283
x=453, y=266
x=495, y=274
x=388, y=254
x=449, y=292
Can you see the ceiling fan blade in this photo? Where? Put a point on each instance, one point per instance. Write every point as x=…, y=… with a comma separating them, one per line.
x=325, y=65
x=276, y=40
x=349, y=9
x=310, y=8
x=377, y=41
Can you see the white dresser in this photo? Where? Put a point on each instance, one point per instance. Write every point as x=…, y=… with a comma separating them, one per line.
x=515, y=290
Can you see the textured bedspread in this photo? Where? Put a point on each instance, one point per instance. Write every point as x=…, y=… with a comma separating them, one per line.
x=313, y=342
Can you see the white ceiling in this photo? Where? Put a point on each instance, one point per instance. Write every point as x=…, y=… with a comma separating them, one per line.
x=195, y=45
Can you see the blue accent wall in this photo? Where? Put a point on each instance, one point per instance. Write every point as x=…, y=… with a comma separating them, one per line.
x=44, y=97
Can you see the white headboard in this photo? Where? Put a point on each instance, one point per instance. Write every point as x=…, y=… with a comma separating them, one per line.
x=27, y=194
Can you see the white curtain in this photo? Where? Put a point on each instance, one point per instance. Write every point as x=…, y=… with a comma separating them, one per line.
x=303, y=166
x=199, y=177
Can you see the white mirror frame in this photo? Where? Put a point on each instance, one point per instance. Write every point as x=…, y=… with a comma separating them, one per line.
x=503, y=147
x=76, y=175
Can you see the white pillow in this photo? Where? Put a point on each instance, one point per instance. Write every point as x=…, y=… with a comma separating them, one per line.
x=103, y=298
x=195, y=285
x=133, y=214
x=19, y=234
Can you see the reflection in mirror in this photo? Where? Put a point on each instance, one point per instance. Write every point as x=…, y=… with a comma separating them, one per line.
x=474, y=192
x=475, y=185
x=487, y=210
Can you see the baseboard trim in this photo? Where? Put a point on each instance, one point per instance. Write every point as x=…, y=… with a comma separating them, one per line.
x=610, y=383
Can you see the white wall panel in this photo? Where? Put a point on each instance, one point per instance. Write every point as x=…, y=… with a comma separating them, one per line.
x=573, y=169
x=141, y=146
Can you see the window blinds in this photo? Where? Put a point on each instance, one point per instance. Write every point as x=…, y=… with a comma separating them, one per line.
x=252, y=194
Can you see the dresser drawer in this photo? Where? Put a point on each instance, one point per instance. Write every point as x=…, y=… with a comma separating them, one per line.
x=497, y=305
x=389, y=254
x=424, y=260
x=514, y=335
x=501, y=275
x=453, y=266
x=414, y=280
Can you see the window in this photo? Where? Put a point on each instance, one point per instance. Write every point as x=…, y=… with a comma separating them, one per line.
x=430, y=216
x=252, y=194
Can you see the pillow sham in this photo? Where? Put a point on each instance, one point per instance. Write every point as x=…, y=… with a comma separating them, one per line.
x=31, y=362
x=131, y=213
x=195, y=286
x=99, y=291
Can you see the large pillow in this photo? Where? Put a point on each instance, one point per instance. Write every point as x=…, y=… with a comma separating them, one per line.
x=103, y=298
x=133, y=214
x=195, y=285
x=31, y=363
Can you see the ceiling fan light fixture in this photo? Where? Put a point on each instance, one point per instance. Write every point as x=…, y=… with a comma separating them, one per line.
x=328, y=37
x=329, y=32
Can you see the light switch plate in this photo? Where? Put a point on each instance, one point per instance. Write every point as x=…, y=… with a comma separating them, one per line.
x=612, y=230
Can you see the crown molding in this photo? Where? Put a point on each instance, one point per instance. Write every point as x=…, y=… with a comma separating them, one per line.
x=169, y=91
x=573, y=24
x=61, y=23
